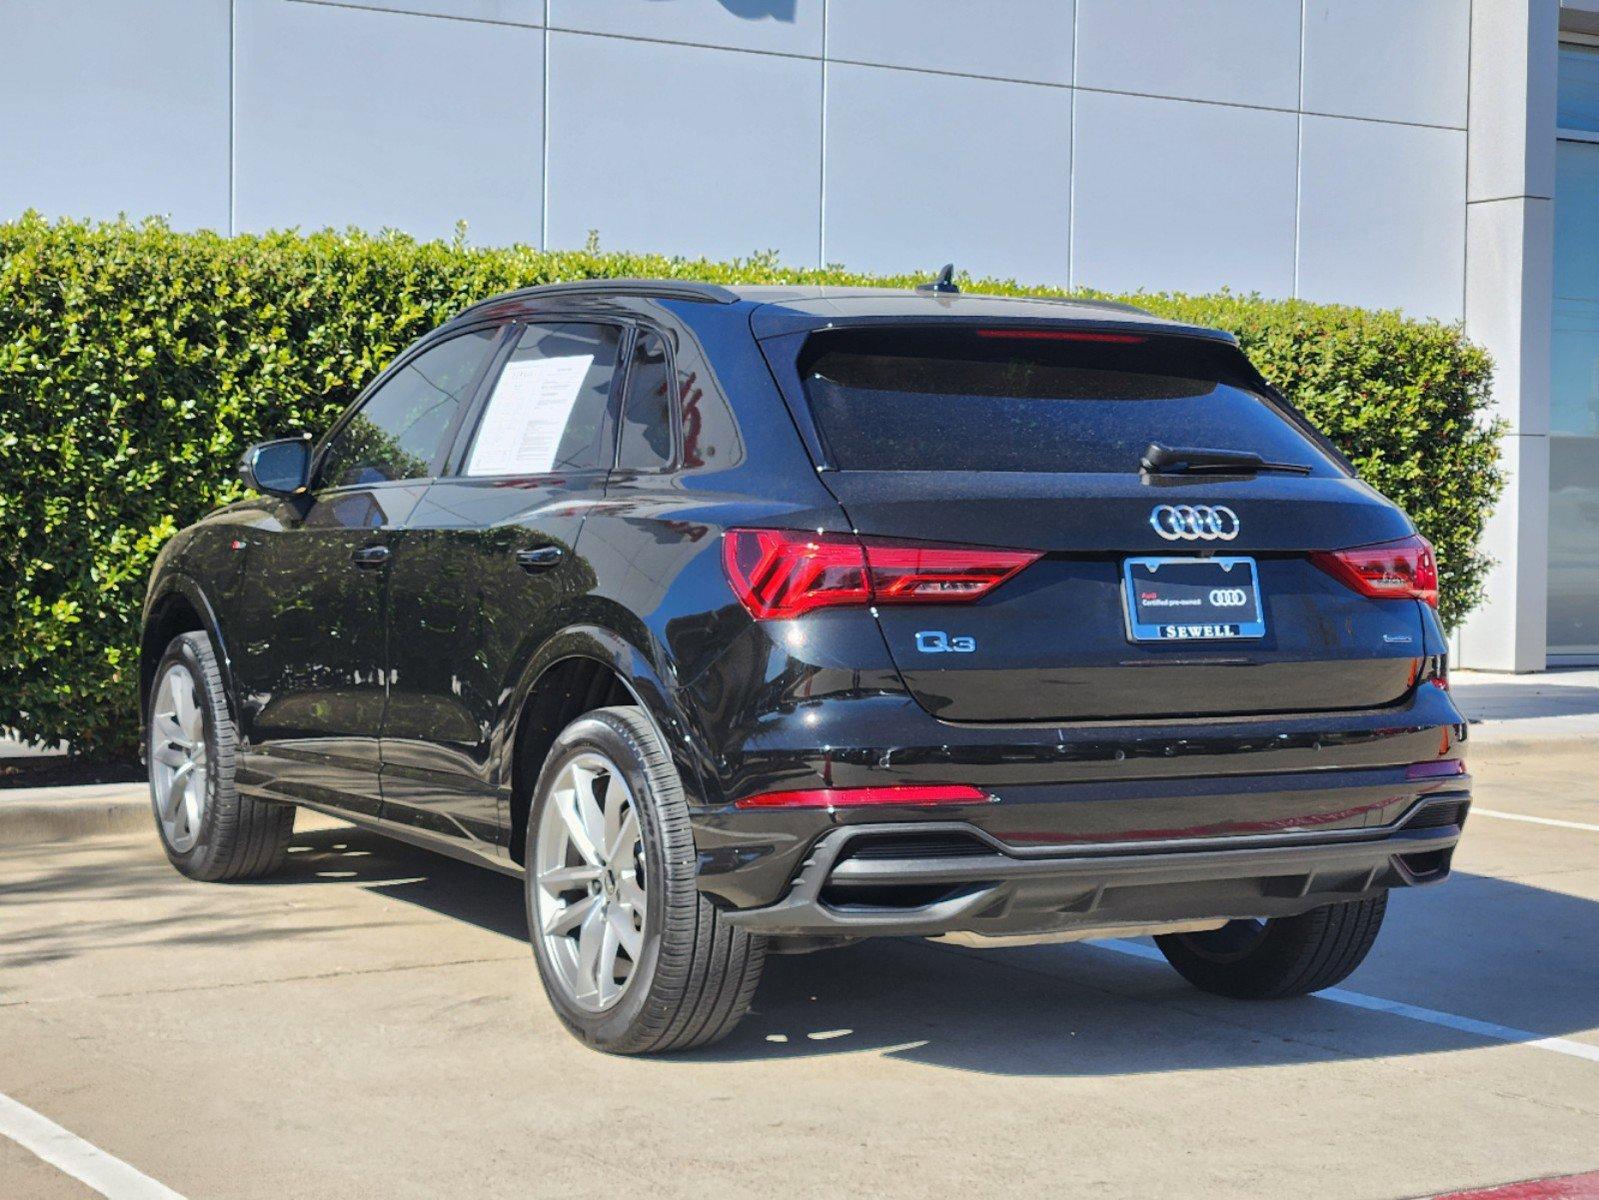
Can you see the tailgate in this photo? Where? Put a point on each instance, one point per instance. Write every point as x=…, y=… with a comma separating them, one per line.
x=1158, y=593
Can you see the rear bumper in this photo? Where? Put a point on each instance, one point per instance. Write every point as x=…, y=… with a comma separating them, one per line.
x=1063, y=790
x=867, y=879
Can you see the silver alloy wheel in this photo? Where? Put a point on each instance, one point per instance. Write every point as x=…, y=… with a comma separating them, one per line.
x=590, y=901
x=178, y=759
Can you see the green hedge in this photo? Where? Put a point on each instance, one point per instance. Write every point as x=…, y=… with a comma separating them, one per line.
x=136, y=363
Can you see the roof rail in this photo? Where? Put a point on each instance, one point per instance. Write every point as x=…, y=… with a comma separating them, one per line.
x=673, y=289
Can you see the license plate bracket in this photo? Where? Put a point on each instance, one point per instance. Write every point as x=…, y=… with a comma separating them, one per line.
x=1192, y=599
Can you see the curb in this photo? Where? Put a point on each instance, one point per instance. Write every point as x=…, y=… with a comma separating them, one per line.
x=58, y=814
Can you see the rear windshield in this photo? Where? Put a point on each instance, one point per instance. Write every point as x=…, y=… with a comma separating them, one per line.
x=1008, y=400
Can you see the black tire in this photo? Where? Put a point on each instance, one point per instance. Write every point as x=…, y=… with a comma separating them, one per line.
x=238, y=837
x=696, y=975
x=1279, y=958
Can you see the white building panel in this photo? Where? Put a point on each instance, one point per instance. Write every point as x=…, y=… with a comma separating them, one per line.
x=775, y=26
x=684, y=150
x=377, y=119
x=1002, y=39
x=1388, y=60
x=1382, y=216
x=923, y=169
x=1233, y=51
x=506, y=12
x=1174, y=196
x=113, y=108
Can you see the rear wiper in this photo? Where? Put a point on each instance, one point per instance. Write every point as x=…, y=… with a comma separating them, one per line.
x=1180, y=460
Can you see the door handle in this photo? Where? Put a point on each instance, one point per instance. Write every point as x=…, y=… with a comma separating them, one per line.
x=370, y=556
x=540, y=558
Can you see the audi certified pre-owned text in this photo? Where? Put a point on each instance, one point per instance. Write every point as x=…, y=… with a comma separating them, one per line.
x=747, y=620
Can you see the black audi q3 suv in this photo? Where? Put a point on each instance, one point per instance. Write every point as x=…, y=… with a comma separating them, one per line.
x=764, y=619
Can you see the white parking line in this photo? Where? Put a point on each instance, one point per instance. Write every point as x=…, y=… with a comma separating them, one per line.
x=69, y=1153
x=1504, y=816
x=1431, y=1016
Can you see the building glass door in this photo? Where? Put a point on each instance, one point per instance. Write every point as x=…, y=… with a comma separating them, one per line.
x=1574, y=409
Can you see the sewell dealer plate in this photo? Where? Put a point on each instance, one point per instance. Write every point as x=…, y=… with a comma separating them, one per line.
x=1192, y=599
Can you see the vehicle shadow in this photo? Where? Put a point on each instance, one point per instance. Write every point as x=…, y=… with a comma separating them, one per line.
x=1485, y=948
x=460, y=891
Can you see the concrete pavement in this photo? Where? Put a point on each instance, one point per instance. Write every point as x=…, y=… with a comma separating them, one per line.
x=1549, y=706
x=370, y=1025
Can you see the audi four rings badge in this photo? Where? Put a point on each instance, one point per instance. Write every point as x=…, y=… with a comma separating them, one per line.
x=1195, y=522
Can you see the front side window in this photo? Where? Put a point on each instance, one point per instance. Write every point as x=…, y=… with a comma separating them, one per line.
x=550, y=410
x=401, y=428
x=647, y=414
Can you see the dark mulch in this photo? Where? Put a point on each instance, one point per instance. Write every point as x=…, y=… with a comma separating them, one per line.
x=59, y=770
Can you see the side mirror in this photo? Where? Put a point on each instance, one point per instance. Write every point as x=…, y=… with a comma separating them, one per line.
x=279, y=468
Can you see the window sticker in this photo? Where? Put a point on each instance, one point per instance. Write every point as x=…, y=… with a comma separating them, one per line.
x=527, y=414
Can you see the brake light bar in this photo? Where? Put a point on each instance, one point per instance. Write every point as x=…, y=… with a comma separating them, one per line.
x=1403, y=570
x=782, y=573
x=1064, y=335
x=913, y=793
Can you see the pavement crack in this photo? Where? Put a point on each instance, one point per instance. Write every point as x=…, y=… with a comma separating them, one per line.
x=270, y=980
x=1543, y=1101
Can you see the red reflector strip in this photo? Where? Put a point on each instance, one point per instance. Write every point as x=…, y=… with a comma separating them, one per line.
x=1064, y=335
x=853, y=797
x=1438, y=768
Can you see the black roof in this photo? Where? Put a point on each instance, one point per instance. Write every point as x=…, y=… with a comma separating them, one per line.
x=784, y=308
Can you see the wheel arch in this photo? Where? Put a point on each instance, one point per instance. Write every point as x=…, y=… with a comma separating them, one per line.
x=581, y=668
x=177, y=605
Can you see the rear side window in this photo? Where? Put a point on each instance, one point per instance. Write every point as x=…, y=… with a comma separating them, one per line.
x=550, y=410
x=647, y=413
x=1010, y=400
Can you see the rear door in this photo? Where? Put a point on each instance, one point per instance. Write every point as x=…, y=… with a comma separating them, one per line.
x=1031, y=439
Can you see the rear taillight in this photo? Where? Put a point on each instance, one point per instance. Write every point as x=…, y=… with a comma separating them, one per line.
x=1402, y=570
x=778, y=573
x=901, y=574
x=775, y=573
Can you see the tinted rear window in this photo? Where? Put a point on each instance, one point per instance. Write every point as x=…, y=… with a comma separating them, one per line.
x=911, y=400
